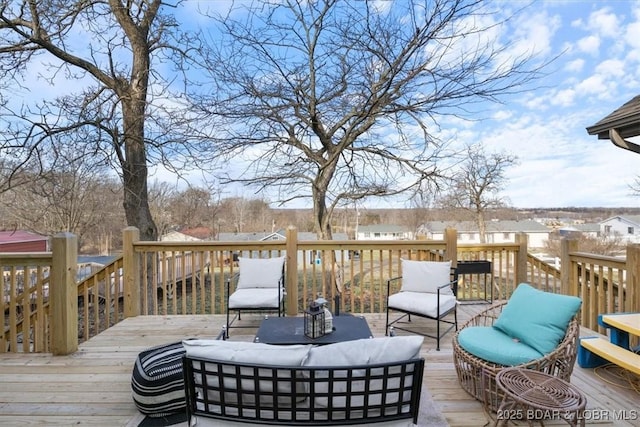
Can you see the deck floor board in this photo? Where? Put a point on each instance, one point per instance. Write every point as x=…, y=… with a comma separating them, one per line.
x=92, y=386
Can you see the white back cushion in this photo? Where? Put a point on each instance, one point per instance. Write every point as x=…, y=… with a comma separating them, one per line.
x=260, y=272
x=247, y=352
x=361, y=352
x=426, y=276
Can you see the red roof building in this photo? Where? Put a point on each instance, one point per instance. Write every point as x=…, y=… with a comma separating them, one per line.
x=23, y=241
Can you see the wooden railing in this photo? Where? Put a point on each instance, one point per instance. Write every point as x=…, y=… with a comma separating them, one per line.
x=190, y=277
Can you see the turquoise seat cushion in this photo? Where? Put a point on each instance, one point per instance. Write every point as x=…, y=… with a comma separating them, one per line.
x=491, y=345
x=537, y=318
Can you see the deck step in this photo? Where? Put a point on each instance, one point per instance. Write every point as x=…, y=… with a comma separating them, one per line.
x=613, y=353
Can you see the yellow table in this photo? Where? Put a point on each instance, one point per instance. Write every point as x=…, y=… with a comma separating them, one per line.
x=628, y=322
x=621, y=325
x=595, y=351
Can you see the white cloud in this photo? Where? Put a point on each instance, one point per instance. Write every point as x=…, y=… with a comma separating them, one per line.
x=632, y=34
x=502, y=115
x=533, y=34
x=575, y=66
x=593, y=85
x=564, y=97
x=604, y=23
x=611, y=67
x=589, y=44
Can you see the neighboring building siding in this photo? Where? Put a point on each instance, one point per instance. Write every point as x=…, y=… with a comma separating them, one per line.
x=384, y=232
x=497, y=231
x=23, y=241
x=627, y=227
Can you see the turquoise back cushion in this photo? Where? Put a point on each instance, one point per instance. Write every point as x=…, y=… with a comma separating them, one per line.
x=538, y=319
x=494, y=346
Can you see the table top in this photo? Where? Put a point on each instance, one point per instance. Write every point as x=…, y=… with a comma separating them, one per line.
x=290, y=330
x=629, y=322
x=540, y=390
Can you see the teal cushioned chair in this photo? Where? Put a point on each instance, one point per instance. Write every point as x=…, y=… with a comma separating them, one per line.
x=532, y=330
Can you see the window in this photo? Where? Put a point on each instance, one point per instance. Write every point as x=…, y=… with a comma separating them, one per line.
x=367, y=234
x=607, y=229
x=506, y=236
x=630, y=230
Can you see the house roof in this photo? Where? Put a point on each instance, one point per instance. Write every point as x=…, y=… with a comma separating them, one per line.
x=276, y=235
x=15, y=236
x=624, y=122
x=177, y=236
x=383, y=228
x=526, y=226
x=634, y=219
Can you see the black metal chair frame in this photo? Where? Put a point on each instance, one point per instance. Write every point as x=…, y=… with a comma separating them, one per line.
x=280, y=309
x=439, y=318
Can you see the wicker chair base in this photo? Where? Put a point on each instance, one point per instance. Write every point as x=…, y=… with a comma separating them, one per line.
x=478, y=377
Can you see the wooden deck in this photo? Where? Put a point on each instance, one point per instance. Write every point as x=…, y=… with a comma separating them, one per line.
x=92, y=386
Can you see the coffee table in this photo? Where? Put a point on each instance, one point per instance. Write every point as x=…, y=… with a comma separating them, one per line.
x=290, y=330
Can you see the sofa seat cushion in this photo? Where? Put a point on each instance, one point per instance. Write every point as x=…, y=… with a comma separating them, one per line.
x=422, y=303
x=537, y=318
x=494, y=346
x=255, y=298
x=157, y=382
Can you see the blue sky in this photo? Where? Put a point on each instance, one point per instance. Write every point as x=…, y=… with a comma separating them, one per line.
x=598, y=69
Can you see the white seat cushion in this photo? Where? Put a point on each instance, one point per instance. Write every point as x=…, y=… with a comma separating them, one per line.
x=255, y=298
x=422, y=302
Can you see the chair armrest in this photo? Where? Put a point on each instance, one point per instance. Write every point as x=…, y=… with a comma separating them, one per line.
x=389, y=284
x=230, y=279
x=453, y=285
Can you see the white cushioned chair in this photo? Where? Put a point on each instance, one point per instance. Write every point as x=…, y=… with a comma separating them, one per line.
x=428, y=290
x=259, y=287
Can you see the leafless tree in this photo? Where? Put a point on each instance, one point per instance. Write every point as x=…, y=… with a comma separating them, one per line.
x=69, y=196
x=339, y=101
x=477, y=185
x=608, y=245
x=125, y=100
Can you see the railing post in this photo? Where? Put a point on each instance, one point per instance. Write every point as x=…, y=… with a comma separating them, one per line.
x=632, y=290
x=567, y=285
x=63, y=294
x=130, y=273
x=451, y=243
x=291, y=278
x=521, y=257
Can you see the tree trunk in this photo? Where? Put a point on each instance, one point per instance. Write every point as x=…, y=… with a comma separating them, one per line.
x=134, y=174
x=482, y=226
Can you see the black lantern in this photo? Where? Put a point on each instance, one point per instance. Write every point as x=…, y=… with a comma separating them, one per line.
x=314, y=321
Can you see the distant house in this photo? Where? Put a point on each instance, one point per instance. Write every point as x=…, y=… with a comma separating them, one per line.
x=384, y=232
x=23, y=241
x=177, y=236
x=311, y=256
x=627, y=227
x=497, y=231
x=588, y=229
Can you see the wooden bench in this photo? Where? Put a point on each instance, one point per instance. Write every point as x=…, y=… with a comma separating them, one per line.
x=608, y=351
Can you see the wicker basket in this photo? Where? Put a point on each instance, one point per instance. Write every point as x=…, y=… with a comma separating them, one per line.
x=478, y=376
